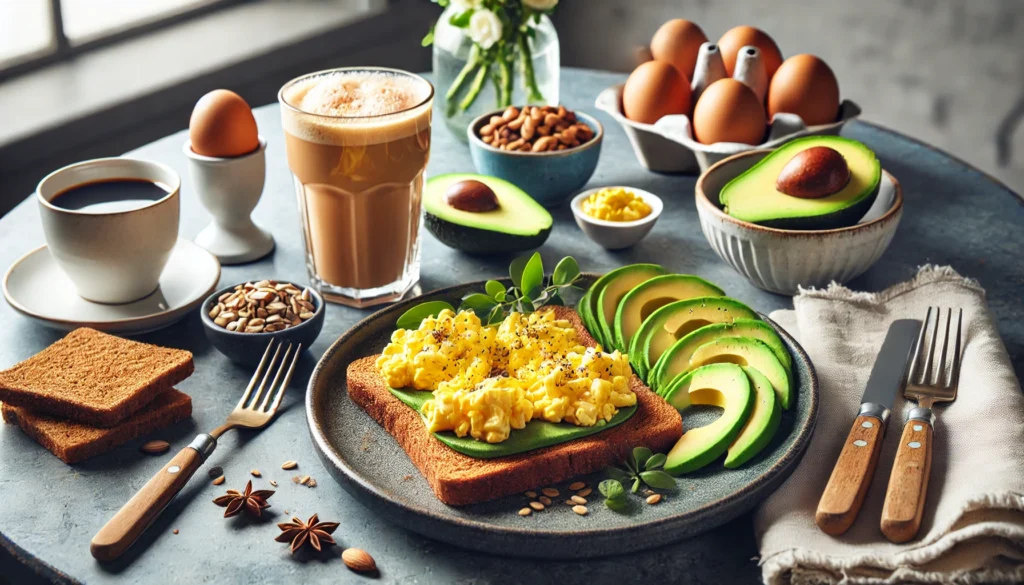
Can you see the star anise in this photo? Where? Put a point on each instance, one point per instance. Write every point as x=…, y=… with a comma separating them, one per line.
x=254, y=502
x=313, y=531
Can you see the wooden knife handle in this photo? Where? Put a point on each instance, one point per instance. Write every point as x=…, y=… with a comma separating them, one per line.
x=844, y=494
x=135, y=516
x=908, y=484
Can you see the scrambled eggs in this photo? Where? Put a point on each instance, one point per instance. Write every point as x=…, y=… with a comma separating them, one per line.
x=489, y=380
x=616, y=204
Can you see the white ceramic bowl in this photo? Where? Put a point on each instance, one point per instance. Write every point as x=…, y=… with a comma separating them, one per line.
x=615, y=235
x=780, y=260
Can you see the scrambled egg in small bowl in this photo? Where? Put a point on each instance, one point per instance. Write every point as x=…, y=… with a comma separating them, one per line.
x=488, y=381
x=616, y=217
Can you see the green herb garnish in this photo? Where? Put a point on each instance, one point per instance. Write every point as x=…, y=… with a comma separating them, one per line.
x=526, y=294
x=643, y=466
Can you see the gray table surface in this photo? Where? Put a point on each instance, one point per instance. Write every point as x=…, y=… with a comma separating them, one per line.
x=49, y=511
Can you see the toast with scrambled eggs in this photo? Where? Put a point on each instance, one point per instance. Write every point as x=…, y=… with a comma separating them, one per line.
x=459, y=480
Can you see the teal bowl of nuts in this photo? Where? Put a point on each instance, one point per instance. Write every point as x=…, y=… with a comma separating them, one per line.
x=549, y=152
x=241, y=320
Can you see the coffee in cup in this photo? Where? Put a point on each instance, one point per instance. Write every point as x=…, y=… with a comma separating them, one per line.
x=357, y=142
x=111, y=224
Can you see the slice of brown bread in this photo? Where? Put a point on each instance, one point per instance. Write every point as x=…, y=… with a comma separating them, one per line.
x=73, y=442
x=459, y=480
x=94, y=378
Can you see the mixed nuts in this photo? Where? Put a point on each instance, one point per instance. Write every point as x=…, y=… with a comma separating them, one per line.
x=263, y=307
x=535, y=129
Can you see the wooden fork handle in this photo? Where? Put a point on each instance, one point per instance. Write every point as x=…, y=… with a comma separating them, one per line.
x=908, y=484
x=139, y=512
x=844, y=494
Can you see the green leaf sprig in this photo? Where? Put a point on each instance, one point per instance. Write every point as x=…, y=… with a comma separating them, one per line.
x=527, y=293
x=642, y=467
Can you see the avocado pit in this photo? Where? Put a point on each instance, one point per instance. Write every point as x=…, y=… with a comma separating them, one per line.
x=471, y=196
x=813, y=173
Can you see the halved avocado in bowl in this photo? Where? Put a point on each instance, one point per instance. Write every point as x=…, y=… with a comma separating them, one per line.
x=814, y=183
x=479, y=214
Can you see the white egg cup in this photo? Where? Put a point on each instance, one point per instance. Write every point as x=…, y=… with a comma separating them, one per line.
x=229, y=189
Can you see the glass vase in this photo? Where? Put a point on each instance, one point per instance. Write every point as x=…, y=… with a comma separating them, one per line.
x=451, y=52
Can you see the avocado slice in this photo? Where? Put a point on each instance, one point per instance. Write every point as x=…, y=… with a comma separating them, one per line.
x=746, y=351
x=761, y=425
x=519, y=223
x=676, y=320
x=676, y=359
x=754, y=197
x=609, y=290
x=651, y=295
x=723, y=385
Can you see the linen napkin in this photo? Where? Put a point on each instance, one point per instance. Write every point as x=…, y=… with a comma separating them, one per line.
x=973, y=526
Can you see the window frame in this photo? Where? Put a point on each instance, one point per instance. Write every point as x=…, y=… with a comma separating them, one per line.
x=61, y=49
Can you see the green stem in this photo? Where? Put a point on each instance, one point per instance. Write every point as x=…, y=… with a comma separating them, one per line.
x=529, y=79
x=460, y=80
x=474, y=90
x=506, y=83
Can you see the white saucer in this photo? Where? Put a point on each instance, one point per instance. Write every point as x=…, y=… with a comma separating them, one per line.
x=36, y=287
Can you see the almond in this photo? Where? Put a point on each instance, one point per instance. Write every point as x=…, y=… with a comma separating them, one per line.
x=358, y=560
x=218, y=480
x=155, y=447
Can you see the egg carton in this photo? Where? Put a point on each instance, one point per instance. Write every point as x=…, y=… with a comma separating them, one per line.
x=667, y=146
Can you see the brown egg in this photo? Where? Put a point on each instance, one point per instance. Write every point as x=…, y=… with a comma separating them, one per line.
x=741, y=36
x=653, y=90
x=729, y=111
x=677, y=42
x=222, y=125
x=806, y=86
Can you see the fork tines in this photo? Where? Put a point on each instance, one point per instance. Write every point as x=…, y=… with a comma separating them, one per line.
x=926, y=375
x=278, y=372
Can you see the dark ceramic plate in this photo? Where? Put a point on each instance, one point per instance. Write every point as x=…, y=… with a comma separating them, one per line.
x=371, y=466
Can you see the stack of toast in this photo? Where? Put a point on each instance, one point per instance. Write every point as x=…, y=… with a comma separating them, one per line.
x=459, y=480
x=90, y=392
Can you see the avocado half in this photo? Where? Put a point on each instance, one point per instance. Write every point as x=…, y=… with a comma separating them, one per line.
x=753, y=196
x=519, y=223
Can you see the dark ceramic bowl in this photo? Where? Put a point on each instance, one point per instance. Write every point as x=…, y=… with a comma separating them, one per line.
x=248, y=348
x=549, y=177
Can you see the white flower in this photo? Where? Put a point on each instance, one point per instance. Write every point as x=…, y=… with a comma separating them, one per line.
x=541, y=5
x=461, y=6
x=485, y=28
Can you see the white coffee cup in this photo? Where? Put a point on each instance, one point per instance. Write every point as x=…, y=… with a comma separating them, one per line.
x=111, y=257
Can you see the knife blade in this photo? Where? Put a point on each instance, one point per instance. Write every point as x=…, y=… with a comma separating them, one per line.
x=855, y=467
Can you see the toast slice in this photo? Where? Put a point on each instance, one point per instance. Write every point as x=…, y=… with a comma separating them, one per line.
x=459, y=480
x=72, y=442
x=94, y=378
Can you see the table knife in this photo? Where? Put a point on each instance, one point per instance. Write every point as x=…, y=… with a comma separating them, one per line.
x=844, y=494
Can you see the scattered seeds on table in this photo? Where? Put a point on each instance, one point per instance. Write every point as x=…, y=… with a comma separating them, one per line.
x=155, y=447
x=653, y=499
x=537, y=506
x=525, y=512
x=311, y=483
x=358, y=560
x=581, y=510
x=550, y=492
x=530, y=494
x=305, y=480
x=255, y=473
x=578, y=500
x=577, y=486
x=218, y=480
x=584, y=492
x=289, y=465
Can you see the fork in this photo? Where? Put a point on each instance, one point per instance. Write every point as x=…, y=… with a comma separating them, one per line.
x=908, y=483
x=135, y=516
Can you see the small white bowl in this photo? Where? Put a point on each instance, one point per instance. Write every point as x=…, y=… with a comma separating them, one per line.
x=780, y=260
x=614, y=235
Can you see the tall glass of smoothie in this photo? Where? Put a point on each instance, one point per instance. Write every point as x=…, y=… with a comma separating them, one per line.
x=358, y=141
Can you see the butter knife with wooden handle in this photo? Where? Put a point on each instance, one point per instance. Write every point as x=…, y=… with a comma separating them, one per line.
x=844, y=494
